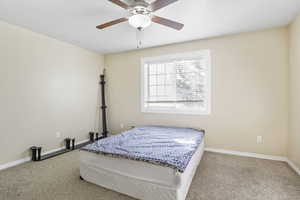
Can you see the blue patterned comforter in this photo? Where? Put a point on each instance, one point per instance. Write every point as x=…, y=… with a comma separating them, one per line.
x=167, y=146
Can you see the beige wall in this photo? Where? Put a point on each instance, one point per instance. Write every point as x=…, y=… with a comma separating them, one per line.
x=294, y=118
x=46, y=86
x=249, y=91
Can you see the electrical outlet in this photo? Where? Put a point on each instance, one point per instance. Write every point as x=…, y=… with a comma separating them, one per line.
x=58, y=134
x=259, y=139
x=122, y=125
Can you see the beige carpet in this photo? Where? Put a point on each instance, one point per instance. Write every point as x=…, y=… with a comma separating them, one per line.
x=219, y=177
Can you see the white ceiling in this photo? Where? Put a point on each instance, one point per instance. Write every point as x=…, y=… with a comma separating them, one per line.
x=74, y=21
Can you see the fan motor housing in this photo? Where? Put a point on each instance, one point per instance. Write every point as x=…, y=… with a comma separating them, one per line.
x=140, y=3
x=140, y=10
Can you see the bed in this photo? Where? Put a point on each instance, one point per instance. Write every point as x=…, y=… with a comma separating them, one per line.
x=146, y=162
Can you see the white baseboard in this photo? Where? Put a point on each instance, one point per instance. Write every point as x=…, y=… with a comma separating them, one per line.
x=247, y=154
x=255, y=155
x=14, y=163
x=27, y=159
x=294, y=167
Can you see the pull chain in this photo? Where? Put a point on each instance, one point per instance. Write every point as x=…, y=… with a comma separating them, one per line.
x=139, y=37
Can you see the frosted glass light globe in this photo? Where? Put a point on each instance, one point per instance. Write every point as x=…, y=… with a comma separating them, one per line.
x=139, y=21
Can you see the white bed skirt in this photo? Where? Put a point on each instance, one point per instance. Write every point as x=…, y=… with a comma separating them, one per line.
x=139, y=179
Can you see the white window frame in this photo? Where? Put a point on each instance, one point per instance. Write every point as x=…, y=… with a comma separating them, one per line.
x=186, y=55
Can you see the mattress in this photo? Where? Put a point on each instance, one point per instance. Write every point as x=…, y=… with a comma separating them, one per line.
x=159, y=145
x=139, y=179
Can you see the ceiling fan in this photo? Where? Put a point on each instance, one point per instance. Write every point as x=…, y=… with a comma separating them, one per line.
x=142, y=14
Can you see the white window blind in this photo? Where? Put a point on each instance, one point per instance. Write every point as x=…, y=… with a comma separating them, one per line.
x=176, y=83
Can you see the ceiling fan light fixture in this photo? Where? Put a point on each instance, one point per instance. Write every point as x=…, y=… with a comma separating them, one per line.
x=140, y=21
x=142, y=14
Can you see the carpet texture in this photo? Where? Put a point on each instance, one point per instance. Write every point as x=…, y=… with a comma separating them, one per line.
x=219, y=177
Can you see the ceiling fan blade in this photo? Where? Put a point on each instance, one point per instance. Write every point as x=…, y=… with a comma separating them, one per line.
x=119, y=3
x=166, y=22
x=102, y=26
x=158, y=4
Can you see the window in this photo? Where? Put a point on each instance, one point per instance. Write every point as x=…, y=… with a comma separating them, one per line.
x=177, y=83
